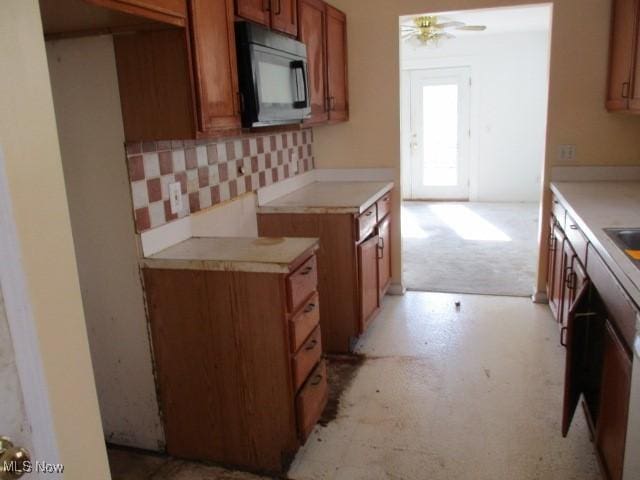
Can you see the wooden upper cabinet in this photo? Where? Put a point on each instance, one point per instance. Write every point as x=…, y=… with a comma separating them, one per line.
x=178, y=83
x=313, y=35
x=167, y=11
x=280, y=15
x=337, y=65
x=284, y=16
x=624, y=66
x=216, y=73
x=257, y=11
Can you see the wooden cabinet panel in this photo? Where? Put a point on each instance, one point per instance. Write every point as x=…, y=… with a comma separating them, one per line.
x=337, y=64
x=216, y=73
x=155, y=85
x=168, y=11
x=368, y=276
x=557, y=269
x=558, y=212
x=301, y=283
x=623, y=53
x=254, y=10
x=384, y=206
x=611, y=429
x=367, y=222
x=307, y=358
x=284, y=16
x=384, y=256
x=577, y=239
x=313, y=35
x=305, y=321
x=221, y=355
x=312, y=400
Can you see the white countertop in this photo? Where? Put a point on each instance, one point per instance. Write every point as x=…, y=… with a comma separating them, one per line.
x=329, y=197
x=266, y=255
x=599, y=205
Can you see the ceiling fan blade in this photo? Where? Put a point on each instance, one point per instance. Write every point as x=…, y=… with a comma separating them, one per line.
x=473, y=28
x=449, y=25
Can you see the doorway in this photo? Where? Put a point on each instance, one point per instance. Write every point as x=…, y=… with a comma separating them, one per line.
x=440, y=132
x=474, y=94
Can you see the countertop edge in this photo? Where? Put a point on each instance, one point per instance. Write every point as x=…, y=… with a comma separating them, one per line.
x=605, y=251
x=266, y=209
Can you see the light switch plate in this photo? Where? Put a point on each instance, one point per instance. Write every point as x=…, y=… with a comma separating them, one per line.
x=566, y=153
x=175, y=197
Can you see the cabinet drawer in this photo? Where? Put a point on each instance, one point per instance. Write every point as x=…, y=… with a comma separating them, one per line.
x=620, y=309
x=558, y=211
x=304, y=322
x=302, y=283
x=384, y=206
x=576, y=238
x=308, y=356
x=312, y=400
x=366, y=222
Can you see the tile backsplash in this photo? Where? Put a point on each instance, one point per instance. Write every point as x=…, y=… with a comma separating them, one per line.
x=210, y=172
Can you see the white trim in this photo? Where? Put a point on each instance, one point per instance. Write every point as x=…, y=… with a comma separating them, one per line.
x=24, y=334
x=540, y=297
x=595, y=174
x=397, y=289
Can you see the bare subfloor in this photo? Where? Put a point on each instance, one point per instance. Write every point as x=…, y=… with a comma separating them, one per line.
x=443, y=392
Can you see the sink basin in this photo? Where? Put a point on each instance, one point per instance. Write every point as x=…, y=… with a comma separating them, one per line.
x=627, y=239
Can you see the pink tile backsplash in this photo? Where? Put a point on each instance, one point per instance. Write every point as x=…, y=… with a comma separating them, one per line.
x=210, y=172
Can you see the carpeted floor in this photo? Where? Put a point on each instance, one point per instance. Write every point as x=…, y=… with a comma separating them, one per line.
x=464, y=247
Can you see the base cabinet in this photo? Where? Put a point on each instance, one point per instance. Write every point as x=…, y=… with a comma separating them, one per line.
x=354, y=265
x=598, y=329
x=238, y=384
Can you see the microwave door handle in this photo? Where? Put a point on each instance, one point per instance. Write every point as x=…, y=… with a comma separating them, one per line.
x=300, y=68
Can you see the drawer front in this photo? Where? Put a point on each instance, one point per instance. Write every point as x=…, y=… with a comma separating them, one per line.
x=576, y=238
x=619, y=307
x=307, y=358
x=384, y=206
x=367, y=222
x=305, y=321
x=302, y=283
x=558, y=211
x=311, y=400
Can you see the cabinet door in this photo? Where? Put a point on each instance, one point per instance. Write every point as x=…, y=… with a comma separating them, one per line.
x=313, y=35
x=254, y=10
x=216, y=76
x=551, y=264
x=634, y=99
x=569, y=281
x=578, y=323
x=384, y=256
x=337, y=65
x=622, y=53
x=368, y=277
x=611, y=429
x=555, y=298
x=284, y=16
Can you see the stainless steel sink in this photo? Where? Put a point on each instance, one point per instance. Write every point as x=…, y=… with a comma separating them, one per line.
x=626, y=239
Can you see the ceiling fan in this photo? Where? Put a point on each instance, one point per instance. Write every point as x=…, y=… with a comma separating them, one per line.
x=427, y=29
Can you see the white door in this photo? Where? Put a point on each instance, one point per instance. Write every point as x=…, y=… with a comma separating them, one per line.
x=440, y=133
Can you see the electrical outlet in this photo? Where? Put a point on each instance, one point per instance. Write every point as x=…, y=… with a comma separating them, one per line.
x=566, y=153
x=175, y=197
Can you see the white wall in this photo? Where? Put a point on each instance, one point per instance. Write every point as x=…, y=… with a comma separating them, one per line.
x=87, y=103
x=508, y=109
x=13, y=421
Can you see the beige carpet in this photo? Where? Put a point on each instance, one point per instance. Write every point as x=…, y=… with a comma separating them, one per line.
x=483, y=248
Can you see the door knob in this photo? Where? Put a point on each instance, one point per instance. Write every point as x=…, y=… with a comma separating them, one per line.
x=13, y=460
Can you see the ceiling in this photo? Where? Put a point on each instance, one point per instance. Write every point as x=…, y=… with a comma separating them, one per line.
x=500, y=20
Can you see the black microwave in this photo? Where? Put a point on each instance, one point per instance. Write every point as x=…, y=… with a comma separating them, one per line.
x=273, y=77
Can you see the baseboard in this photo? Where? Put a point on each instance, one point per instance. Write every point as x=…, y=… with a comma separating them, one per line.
x=540, y=297
x=397, y=289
